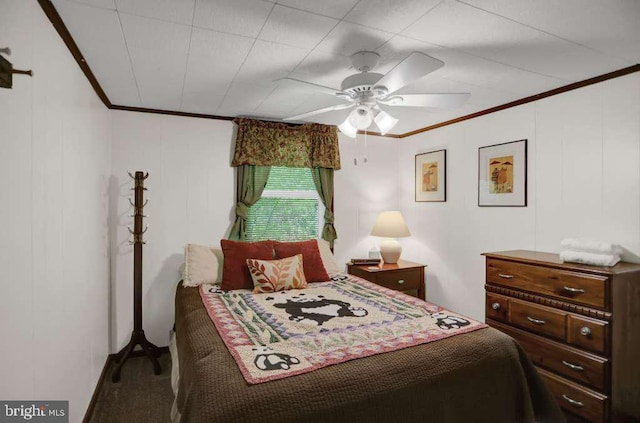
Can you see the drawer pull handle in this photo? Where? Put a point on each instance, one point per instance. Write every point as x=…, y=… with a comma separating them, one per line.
x=536, y=321
x=495, y=306
x=585, y=331
x=503, y=276
x=573, y=366
x=572, y=401
x=573, y=290
x=400, y=281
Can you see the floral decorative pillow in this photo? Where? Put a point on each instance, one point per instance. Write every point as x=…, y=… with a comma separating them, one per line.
x=277, y=275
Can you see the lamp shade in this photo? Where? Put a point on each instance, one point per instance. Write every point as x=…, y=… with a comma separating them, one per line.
x=390, y=224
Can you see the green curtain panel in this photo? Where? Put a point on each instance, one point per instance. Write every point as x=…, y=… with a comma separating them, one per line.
x=323, y=179
x=263, y=143
x=251, y=181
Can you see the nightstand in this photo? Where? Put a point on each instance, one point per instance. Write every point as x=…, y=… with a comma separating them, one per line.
x=404, y=276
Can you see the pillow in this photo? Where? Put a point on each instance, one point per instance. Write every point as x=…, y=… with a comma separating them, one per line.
x=235, y=273
x=202, y=264
x=314, y=270
x=328, y=259
x=277, y=275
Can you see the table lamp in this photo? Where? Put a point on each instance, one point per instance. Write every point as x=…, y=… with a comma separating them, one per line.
x=390, y=225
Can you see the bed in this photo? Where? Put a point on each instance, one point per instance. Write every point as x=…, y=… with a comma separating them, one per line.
x=480, y=376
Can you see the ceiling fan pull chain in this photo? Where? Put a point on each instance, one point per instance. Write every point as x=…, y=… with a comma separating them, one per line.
x=355, y=156
x=365, y=147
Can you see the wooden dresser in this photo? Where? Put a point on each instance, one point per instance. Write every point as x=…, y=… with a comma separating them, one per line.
x=579, y=324
x=404, y=276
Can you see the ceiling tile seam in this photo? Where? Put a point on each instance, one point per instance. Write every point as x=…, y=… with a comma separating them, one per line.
x=133, y=71
x=305, y=58
x=138, y=15
x=323, y=38
x=546, y=33
x=311, y=12
x=95, y=6
x=186, y=61
x=399, y=33
x=489, y=59
x=224, y=97
x=497, y=90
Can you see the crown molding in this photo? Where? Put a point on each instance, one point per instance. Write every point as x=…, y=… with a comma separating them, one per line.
x=51, y=12
x=580, y=84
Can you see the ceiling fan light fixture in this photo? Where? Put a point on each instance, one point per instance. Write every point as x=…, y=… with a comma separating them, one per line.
x=348, y=129
x=360, y=118
x=385, y=122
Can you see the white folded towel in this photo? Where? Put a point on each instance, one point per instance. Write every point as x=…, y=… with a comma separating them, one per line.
x=589, y=258
x=591, y=246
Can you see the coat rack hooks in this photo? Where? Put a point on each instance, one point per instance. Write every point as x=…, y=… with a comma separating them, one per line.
x=7, y=71
x=137, y=335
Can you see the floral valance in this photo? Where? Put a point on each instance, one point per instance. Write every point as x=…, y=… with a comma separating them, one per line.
x=261, y=143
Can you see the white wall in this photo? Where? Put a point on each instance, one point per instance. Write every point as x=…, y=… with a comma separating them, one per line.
x=54, y=161
x=584, y=181
x=191, y=191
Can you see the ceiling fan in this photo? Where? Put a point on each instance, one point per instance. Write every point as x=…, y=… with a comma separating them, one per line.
x=365, y=92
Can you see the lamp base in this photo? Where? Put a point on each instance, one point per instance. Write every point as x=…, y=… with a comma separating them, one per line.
x=390, y=250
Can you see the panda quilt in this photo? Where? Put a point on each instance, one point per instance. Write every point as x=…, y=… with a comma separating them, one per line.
x=276, y=335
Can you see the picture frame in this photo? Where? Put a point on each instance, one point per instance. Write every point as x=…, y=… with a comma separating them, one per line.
x=502, y=174
x=431, y=176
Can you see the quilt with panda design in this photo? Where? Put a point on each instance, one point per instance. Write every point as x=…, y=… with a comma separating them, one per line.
x=276, y=335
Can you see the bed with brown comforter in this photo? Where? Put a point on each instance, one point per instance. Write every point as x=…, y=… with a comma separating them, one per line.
x=481, y=376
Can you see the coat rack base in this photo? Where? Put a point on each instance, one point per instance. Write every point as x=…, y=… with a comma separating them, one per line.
x=150, y=350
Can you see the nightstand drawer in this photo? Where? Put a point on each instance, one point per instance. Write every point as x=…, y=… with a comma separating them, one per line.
x=400, y=280
x=581, y=288
x=536, y=318
x=576, y=399
x=564, y=360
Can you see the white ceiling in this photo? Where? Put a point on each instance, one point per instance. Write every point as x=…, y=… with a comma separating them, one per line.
x=221, y=56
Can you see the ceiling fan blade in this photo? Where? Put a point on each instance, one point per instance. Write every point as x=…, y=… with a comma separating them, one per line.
x=292, y=82
x=442, y=101
x=413, y=67
x=319, y=111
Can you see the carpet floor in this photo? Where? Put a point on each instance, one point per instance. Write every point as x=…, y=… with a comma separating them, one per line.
x=140, y=396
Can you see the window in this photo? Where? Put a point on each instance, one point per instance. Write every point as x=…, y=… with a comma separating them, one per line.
x=289, y=209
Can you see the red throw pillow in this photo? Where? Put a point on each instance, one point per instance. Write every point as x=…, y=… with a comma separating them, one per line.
x=314, y=270
x=235, y=272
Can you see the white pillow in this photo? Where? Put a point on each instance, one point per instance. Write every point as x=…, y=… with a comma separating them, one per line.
x=327, y=257
x=202, y=264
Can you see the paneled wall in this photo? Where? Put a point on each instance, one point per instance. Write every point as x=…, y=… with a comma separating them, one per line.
x=192, y=199
x=54, y=162
x=584, y=181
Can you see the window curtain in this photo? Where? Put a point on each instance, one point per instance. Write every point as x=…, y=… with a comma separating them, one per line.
x=323, y=179
x=261, y=144
x=251, y=181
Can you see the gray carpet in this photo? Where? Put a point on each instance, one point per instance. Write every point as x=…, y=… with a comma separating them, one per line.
x=140, y=396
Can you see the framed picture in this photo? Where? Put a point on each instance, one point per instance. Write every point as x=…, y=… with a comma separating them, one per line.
x=431, y=176
x=502, y=175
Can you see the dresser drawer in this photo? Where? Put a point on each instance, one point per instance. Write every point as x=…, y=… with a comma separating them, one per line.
x=580, y=288
x=537, y=318
x=576, y=399
x=497, y=307
x=401, y=280
x=587, y=333
x=567, y=361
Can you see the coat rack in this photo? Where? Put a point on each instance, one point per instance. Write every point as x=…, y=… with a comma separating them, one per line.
x=7, y=71
x=137, y=336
